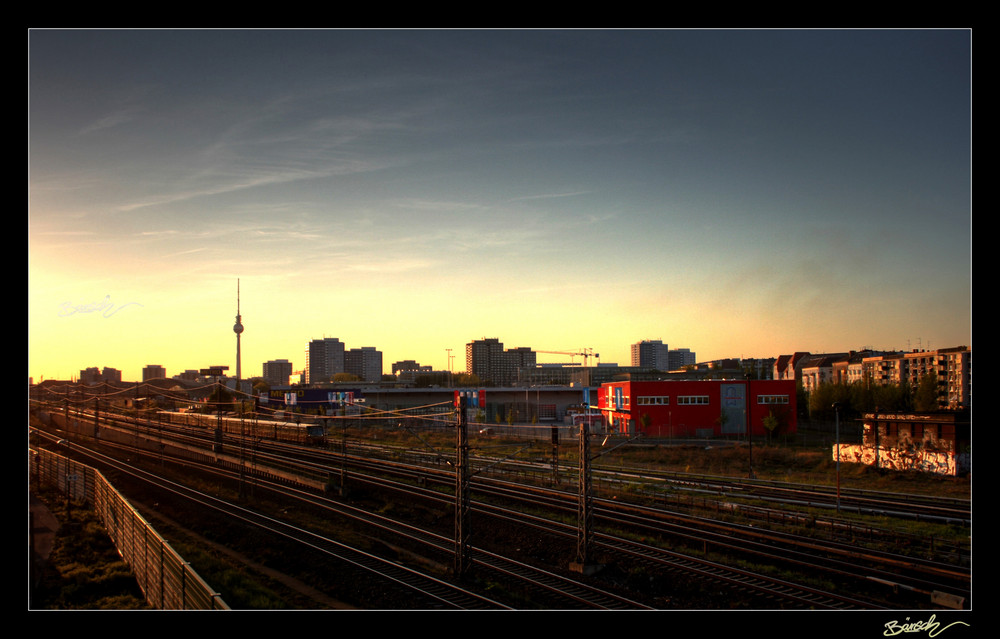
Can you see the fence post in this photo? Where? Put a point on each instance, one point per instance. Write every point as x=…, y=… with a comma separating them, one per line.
x=163, y=584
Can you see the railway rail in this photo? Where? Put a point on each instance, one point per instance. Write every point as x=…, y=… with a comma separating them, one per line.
x=912, y=506
x=433, y=592
x=616, y=510
x=904, y=573
x=803, y=555
x=425, y=591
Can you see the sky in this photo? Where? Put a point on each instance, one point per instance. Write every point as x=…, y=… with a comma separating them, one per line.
x=740, y=193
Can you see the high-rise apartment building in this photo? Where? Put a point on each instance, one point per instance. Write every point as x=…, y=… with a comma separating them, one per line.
x=365, y=362
x=153, y=371
x=514, y=360
x=93, y=376
x=955, y=375
x=652, y=354
x=277, y=372
x=482, y=358
x=324, y=359
x=951, y=366
x=487, y=360
x=678, y=358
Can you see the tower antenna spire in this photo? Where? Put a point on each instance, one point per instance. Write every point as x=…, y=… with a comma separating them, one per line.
x=238, y=329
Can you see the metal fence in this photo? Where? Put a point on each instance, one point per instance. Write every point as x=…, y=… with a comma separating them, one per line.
x=168, y=582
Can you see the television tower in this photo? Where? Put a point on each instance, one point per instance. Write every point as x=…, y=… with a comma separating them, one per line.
x=238, y=328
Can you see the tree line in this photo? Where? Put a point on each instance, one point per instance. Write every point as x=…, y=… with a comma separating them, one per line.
x=861, y=397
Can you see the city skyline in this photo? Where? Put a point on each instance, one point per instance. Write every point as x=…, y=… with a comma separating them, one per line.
x=738, y=193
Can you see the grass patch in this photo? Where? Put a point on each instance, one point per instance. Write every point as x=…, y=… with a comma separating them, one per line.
x=240, y=590
x=84, y=570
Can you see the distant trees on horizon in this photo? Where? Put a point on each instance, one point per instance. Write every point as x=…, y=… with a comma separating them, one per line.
x=858, y=398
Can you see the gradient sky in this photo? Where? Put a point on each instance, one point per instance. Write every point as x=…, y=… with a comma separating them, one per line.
x=738, y=193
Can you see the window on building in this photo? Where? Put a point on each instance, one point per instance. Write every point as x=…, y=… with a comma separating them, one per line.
x=772, y=399
x=931, y=433
x=653, y=400
x=692, y=399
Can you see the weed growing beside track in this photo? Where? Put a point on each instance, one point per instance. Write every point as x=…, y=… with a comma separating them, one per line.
x=84, y=570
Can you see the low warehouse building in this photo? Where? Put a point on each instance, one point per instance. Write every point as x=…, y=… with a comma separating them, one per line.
x=699, y=408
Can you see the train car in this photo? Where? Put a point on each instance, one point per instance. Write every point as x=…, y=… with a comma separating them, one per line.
x=315, y=435
x=252, y=426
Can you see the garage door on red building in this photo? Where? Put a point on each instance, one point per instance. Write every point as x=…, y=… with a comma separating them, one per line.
x=734, y=403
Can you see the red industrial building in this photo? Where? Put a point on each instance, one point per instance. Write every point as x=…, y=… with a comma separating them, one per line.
x=699, y=408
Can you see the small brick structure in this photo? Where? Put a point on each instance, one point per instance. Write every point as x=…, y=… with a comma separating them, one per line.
x=936, y=442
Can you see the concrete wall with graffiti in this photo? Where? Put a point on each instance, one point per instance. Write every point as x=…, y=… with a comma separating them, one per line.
x=906, y=458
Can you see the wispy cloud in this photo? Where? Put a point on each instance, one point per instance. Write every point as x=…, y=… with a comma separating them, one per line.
x=390, y=265
x=545, y=196
x=109, y=121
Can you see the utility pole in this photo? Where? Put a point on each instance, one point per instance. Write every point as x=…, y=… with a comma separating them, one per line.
x=242, y=460
x=836, y=408
x=555, y=454
x=749, y=419
x=876, y=433
x=585, y=515
x=343, y=456
x=218, y=415
x=462, y=477
x=450, y=376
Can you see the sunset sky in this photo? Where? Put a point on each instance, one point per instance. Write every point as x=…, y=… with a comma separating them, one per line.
x=737, y=193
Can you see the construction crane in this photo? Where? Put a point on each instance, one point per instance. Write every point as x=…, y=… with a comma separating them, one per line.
x=584, y=353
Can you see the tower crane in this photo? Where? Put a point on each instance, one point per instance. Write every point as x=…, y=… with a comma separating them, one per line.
x=584, y=353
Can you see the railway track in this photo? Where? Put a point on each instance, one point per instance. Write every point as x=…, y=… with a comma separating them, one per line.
x=805, y=554
x=846, y=561
x=425, y=591
x=761, y=585
x=903, y=505
x=775, y=504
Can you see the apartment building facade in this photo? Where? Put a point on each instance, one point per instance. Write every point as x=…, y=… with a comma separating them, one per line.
x=324, y=359
x=153, y=371
x=951, y=366
x=651, y=353
x=493, y=365
x=365, y=363
x=277, y=371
